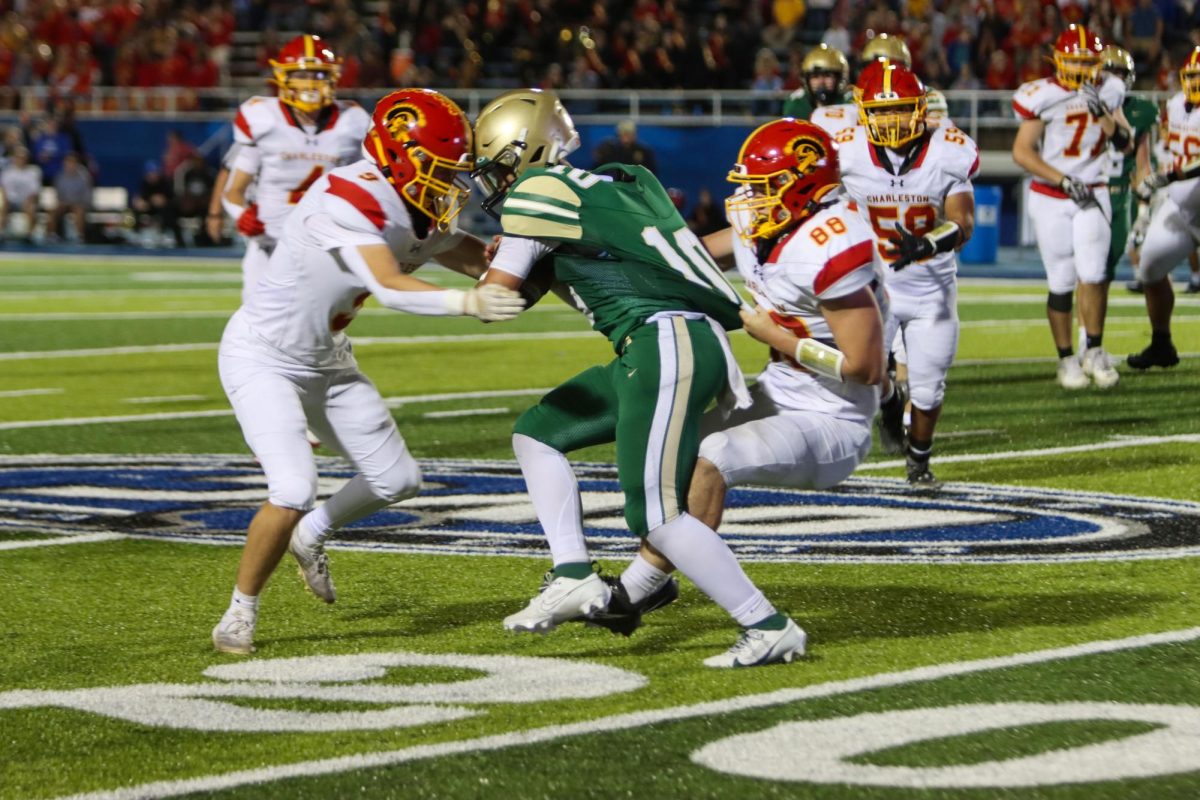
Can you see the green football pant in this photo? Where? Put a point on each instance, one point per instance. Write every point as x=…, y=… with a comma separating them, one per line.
x=1122, y=220
x=649, y=400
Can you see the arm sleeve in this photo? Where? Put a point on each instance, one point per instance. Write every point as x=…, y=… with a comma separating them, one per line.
x=445, y=302
x=517, y=255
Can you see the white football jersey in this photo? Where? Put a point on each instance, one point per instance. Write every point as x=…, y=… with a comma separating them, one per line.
x=1183, y=145
x=910, y=190
x=309, y=293
x=1072, y=141
x=286, y=157
x=830, y=255
x=833, y=119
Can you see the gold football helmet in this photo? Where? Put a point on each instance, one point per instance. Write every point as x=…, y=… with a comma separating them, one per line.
x=519, y=129
x=825, y=60
x=886, y=46
x=1118, y=61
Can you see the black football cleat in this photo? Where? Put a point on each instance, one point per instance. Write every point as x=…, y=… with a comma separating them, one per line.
x=624, y=617
x=1154, y=356
x=919, y=476
x=891, y=421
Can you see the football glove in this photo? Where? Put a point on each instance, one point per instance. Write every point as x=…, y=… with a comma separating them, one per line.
x=248, y=224
x=912, y=248
x=1140, y=225
x=1151, y=184
x=1077, y=190
x=492, y=303
x=1090, y=93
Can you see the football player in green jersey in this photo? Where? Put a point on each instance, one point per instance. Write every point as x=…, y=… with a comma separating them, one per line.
x=826, y=74
x=615, y=238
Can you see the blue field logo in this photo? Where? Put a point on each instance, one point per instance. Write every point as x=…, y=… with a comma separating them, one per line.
x=480, y=508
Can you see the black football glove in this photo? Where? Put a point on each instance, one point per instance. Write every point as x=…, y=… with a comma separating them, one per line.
x=911, y=248
x=1078, y=191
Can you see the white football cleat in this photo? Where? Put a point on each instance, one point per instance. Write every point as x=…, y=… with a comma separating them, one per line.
x=1098, y=365
x=314, y=568
x=1071, y=374
x=757, y=647
x=561, y=600
x=235, y=633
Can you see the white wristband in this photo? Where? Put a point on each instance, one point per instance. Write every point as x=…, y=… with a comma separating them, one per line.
x=455, y=301
x=232, y=208
x=820, y=358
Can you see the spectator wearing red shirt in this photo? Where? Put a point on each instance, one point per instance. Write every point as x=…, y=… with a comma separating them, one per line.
x=1000, y=73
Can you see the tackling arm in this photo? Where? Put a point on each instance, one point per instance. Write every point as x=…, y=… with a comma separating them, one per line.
x=720, y=246
x=216, y=215
x=465, y=257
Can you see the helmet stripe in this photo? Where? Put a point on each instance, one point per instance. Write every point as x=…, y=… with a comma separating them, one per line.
x=1083, y=38
x=887, y=77
x=309, y=51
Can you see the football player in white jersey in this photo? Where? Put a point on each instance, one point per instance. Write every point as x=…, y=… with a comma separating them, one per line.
x=937, y=111
x=1067, y=125
x=809, y=261
x=285, y=360
x=1174, y=229
x=913, y=186
x=284, y=144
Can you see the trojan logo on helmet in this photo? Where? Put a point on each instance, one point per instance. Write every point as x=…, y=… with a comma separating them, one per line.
x=421, y=141
x=786, y=167
x=891, y=103
x=306, y=72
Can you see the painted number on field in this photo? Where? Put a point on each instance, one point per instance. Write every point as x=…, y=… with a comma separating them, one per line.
x=345, y=679
x=819, y=751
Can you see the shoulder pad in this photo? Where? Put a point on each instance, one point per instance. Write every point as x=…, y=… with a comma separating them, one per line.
x=545, y=204
x=350, y=199
x=956, y=152
x=1032, y=98
x=254, y=120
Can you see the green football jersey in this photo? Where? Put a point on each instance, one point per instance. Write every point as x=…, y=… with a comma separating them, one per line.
x=1143, y=118
x=800, y=105
x=620, y=245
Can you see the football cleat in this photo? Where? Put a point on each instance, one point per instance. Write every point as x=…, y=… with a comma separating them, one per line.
x=624, y=617
x=757, y=647
x=1070, y=374
x=1134, y=286
x=313, y=567
x=1154, y=356
x=559, y=601
x=235, y=633
x=919, y=475
x=890, y=422
x=1193, y=286
x=1098, y=366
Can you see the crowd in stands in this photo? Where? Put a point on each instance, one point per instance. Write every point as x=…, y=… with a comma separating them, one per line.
x=70, y=46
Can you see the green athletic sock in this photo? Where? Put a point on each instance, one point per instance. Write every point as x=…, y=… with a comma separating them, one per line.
x=576, y=570
x=775, y=622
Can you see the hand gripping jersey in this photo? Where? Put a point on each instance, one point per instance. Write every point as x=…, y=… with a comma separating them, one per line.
x=620, y=245
x=911, y=190
x=1072, y=141
x=1183, y=145
x=835, y=119
x=830, y=255
x=298, y=310
x=286, y=157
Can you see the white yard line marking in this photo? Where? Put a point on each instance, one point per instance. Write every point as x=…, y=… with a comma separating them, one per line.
x=465, y=412
x=82, y=538
x=29, y=392
x=92, y=352
x=395, y=402
x=620, y=722
x=965, y=434
x=1114, y=444
x=170, y=398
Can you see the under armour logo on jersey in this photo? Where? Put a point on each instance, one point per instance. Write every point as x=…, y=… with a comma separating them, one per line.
x=897, y=182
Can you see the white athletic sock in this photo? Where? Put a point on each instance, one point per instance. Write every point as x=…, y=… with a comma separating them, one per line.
x=555, y=495
x=244, y=604
x=642, y=579
x=350, y=503
x=699, y=553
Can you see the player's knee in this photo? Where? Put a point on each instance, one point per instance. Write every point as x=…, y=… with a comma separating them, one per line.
x=927, y=396
x=293, y=490
x=1059, y=301
x=400, y=482
x=711, y=448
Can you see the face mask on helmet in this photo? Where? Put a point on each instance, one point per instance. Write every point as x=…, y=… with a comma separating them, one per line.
x=306, y=72
x=421, y=142
x=891, y=104
x=1076, y=57
x=1189, y=78
x=784, y=170
x=519, y=129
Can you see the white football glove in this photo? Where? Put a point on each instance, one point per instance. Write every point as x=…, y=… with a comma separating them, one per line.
x=1151, y=184
x=492, y=303
x=1077, y=190
x=1140, y=225
x=1090, y=93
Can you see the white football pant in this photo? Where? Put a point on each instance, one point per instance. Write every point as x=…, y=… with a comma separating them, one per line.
x=1169, y=239
x=254, y=264
x=928, y=324
x=1073, y=241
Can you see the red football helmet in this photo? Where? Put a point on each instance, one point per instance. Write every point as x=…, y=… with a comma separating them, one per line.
x=1189, y=77
x=306, y=72
x=421, y=142
x=1077, y=54
x=891, y=103
x=784, y=169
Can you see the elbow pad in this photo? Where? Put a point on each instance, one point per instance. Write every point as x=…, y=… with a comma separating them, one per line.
x=1120, y=138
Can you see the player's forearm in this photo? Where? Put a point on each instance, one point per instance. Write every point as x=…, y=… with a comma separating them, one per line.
x=218, y=192
x=377, y=269
x=720, y=247
x=1030, y=161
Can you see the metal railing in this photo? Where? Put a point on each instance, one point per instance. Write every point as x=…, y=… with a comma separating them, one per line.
x=972, y=110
